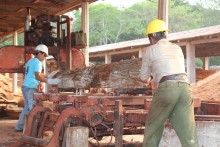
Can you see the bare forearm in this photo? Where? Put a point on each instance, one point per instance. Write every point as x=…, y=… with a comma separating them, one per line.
x=41, y=77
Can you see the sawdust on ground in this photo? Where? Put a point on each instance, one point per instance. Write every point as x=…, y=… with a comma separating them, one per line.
x=208, y=89
x=7, y=131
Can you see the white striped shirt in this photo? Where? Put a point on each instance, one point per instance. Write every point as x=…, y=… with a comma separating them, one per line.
x=161, y=59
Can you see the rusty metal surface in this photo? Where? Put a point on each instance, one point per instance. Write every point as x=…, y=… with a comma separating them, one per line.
x=34, y=141
x=31, y=116
x=13, y=58
x=104, y=115
x=210, y=108
x=12, y=63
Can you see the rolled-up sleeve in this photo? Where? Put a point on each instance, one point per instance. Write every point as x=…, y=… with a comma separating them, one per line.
x=145, y=70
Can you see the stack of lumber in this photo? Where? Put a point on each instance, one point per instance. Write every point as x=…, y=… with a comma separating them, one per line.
x=6, y=95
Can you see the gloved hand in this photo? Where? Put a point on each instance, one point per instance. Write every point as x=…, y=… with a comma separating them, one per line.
x=53, y=73
x=55, y=81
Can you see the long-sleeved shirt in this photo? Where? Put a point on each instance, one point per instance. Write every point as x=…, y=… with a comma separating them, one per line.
x=161, y=59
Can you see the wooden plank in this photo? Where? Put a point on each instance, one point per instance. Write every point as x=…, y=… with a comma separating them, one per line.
x=77, y=136
x=118, y=123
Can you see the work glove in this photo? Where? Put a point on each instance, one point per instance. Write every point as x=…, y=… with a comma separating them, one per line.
x=53, y=73
x=54, y=81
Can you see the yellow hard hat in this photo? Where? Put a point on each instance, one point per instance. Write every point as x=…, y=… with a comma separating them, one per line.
x=156, y=25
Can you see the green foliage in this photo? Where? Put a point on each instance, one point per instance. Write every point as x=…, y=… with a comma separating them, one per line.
x=76, y=26
x=105, y=24
x=21, y=39
x=183, y=17
x=199, y=62
x=10, y=41
x=109, y=24
x=214, y=61
x=6, y=41
x=136, y=17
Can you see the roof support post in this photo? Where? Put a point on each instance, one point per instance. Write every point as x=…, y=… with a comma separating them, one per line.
x=108, y=59
x=85, y=28
x=206, y=63
x=140, y=52
x=15, y=75
x=163, y=10
x=190, y=62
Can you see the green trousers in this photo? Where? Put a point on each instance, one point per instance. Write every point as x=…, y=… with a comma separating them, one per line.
x=172, y=101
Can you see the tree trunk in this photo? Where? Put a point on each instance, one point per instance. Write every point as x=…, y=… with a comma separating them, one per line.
x=123, y=74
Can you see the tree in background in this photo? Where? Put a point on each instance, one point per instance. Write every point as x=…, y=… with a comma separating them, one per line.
x=105, y=24
x=136, y=17
x=10, y=41
x=182, y=16
x=109, y=24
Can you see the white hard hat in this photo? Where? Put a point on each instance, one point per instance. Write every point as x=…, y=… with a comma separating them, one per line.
x=42, y=48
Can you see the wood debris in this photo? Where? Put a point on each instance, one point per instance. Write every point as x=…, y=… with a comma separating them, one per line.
x=208, y=88
x=6, y=94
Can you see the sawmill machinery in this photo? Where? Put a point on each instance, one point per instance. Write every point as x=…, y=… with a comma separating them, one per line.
x=63, y=45
x=53, y=31
x=104, y=114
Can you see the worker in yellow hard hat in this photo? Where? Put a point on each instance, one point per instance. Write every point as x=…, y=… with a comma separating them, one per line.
x=172, y=99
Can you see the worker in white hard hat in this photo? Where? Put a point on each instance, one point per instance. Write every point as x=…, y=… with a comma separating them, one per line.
x=172, y=99
x=33, y=76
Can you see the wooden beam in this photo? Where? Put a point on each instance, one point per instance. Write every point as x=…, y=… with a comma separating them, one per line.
x=71, y=6
x=2, y=34
x=190, y=62
x=11, y=13
x=3, y=29
x=12, y=23
x=208, y=51
x=24, y=5
x=207, y=40
x=116, y=51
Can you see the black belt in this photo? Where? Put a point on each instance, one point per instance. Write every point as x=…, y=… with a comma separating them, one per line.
x=178, y=77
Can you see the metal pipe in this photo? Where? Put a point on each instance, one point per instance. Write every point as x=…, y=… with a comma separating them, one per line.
x=28, y=20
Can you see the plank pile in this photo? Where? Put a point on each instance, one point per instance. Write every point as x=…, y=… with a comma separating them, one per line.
x=7, y=98
x=5, y=88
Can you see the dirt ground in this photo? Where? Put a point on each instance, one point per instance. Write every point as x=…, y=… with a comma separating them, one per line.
x=7, y=131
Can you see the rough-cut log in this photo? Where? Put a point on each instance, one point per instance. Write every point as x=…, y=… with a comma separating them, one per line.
x=123, y=74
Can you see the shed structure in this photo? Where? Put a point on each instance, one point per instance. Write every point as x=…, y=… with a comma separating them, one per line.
x=202, y=42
